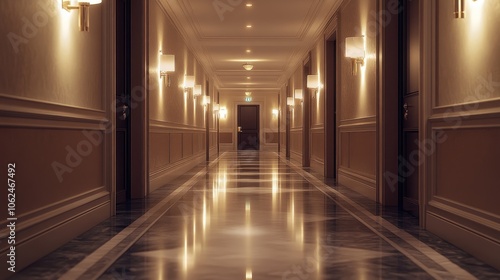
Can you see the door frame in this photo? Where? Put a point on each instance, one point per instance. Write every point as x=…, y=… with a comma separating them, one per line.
x=126, y=100
x=259, y=104
x=331, y=125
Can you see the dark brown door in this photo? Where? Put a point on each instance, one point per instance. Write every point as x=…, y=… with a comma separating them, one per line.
x=330, y=108
x=122, y=101
x=409, y=159
x=248, y=127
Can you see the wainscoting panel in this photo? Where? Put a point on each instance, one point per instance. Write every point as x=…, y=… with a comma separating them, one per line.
x=358, y=158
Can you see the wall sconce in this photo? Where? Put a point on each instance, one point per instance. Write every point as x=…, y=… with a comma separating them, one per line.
x=83, y=7
x=167, y=64
x=188, y=82
x=460, y=8
x=299, y=94
x=275, y=113
x=197, y=91
x=313, y=83
x=355, y=50
x=216, y=108
x=206, y=100
x=223, y=113
x=290, y=102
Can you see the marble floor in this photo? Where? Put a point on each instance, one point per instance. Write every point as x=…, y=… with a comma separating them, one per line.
x=254, y=215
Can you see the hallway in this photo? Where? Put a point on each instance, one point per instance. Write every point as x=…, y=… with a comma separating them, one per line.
x=255, y=215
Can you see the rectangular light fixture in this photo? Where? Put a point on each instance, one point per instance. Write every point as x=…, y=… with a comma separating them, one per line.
x=197, y=91
x=355, y=50
x=223, y=113
x=206, y=100
x=298, y=94
x=290, y=101
x=167, y=64
x=275, y=113
x=188, y=83
x=312, y=81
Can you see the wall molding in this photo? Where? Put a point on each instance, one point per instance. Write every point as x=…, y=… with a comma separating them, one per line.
x=50, y=227
x=462, y=236
x=480, y=222
x=358, y=121
x=159, y=125
x=361, y=183
x=28, y=108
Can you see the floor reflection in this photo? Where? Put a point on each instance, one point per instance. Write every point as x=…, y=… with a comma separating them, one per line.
x=253, y=215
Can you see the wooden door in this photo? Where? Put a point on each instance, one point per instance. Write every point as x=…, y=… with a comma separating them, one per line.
x=122, y=101
x=248, y=127
x=409, y=160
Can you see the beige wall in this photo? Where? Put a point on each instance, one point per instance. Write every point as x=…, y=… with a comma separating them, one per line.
x=462, y=127
x=267, y=101
x=177, y=134
x=55, y=105
x=317, y=113
x=356, y=103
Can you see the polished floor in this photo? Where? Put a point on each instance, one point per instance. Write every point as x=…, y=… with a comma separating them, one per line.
x=254, y=215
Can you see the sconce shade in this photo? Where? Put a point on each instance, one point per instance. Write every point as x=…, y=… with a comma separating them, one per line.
x=298, y=94
x=290, y=101
x=206, y=100
x=275, y=112
x=354, y=47
x=188, y=81
x=197, y=90
x=167, y=63
x=216, y=107
x=312, y=81
x=223, y=113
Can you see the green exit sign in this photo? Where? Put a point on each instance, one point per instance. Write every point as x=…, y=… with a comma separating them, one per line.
x=248, y=99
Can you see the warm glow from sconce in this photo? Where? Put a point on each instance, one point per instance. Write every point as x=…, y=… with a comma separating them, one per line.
x=355, y=50
x=460, y=8
x=188, y=82
x=83, y=8
x=248, y=93
x=206, y=100
x=290, y=102
x=222, y=112
x=197, y=91
x=216, y=107
x=275, y=113
x=167, y=64
x=313, y=83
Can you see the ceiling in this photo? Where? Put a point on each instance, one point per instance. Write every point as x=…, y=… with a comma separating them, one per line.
x=282, y=33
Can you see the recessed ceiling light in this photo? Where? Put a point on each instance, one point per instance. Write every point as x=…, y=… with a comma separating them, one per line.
x=249, y=26
x=248, y=66
x=248, y=51
x=248, y=78
x=249, y=5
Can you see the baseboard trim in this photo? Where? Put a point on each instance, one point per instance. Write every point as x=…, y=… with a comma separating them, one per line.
x=40, y=245
x=359, y=183
x=480, y=247
x=166, y=175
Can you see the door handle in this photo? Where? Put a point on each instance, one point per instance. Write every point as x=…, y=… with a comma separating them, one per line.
x=407, y=111
x=239, y=129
